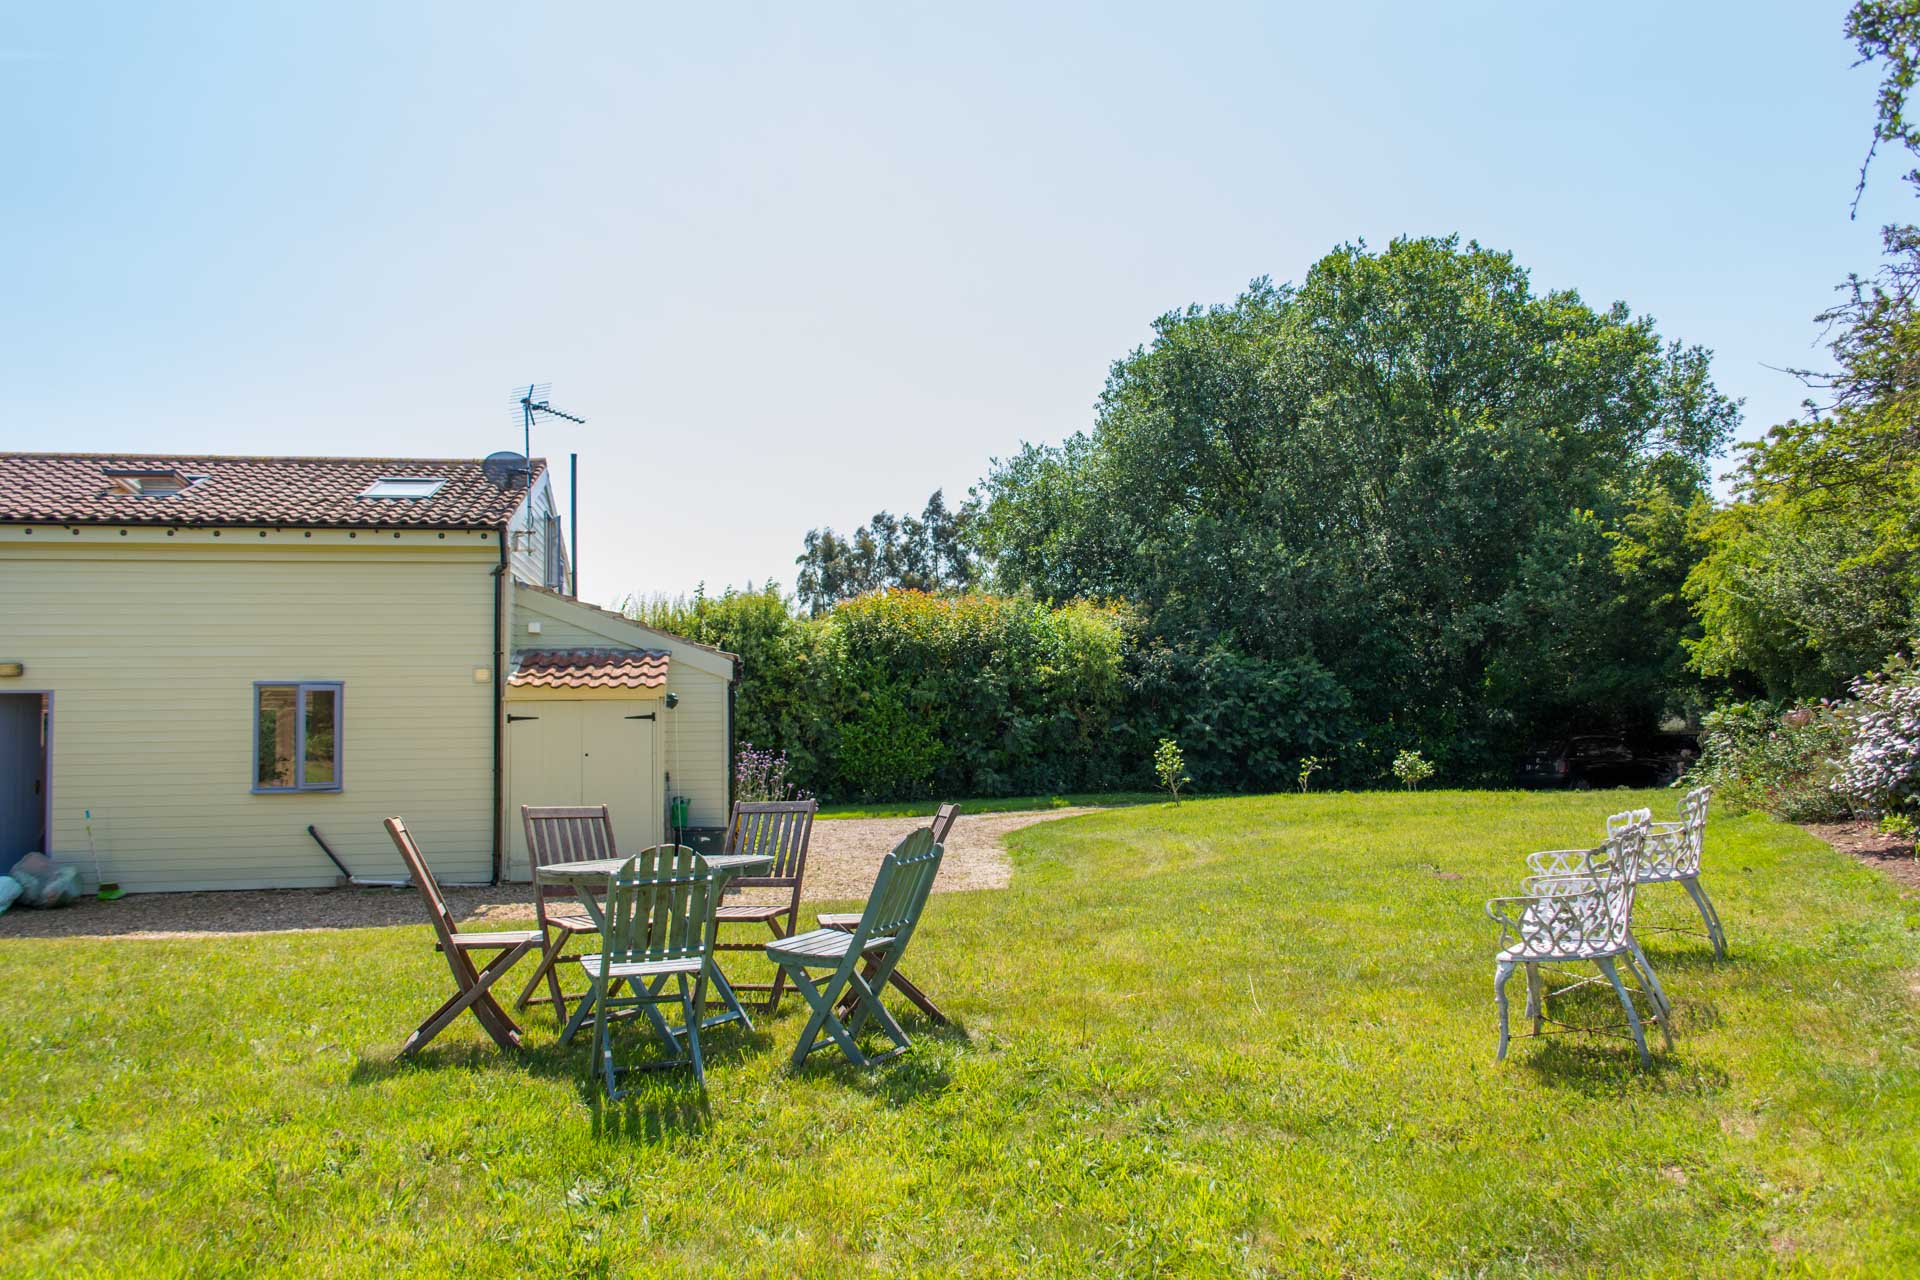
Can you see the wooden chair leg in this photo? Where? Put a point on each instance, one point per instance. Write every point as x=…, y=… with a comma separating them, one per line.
x=549, y=958
x=779, y=971
x=474, y=994
x=500, y=1025
x=920, y=999
x=823, y=996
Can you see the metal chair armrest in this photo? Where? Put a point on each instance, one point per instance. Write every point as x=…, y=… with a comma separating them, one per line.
x=1502, y=912
x=1564, y=862
x=1560, y=885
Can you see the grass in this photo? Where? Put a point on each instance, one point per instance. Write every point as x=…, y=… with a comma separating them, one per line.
x=1002, y=804
x=1240, y=1037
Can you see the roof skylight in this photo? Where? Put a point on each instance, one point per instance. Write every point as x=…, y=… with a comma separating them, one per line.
x=404, y=487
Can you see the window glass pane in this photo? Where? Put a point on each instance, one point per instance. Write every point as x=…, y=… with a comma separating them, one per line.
x=278, y=716
x=322, y=742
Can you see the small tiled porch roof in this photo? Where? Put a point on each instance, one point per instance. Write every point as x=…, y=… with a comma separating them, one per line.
x=590, y=669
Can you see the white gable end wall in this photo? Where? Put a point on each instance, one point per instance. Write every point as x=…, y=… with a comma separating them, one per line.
x=694, y=746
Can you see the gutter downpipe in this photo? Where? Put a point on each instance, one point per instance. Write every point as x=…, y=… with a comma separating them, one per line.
x=733, y=751
x=499, y=704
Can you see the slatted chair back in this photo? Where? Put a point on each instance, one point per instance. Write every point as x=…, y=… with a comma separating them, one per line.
x=900, y=890
x=659, y=907
x=778, y=829
x=423, y=880
x=943, y=823
x=565, y=833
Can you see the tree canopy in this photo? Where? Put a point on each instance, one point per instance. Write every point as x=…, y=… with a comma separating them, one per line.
x=1465, y=500
x=1813, y=575
x=931, y=553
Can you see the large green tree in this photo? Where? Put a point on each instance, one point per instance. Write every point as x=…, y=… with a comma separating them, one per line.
x=1813, y=574
x=1411, y=471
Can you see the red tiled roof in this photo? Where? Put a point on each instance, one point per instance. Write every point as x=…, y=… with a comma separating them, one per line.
x=75, y=488
x=590, y=669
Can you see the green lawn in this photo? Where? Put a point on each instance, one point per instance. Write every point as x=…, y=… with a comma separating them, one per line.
x=1004, y=804
x=1240, y=1037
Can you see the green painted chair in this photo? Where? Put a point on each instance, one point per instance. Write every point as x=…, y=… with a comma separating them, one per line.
x=886, y=926
x=659, y=930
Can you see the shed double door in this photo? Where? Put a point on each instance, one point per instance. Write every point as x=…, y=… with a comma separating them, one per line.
x=589, y=752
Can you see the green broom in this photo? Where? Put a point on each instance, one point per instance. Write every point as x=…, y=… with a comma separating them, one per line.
x=105, y=891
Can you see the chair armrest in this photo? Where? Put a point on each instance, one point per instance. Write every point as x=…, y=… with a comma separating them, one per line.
x=1551, y=886
x=1508, y=913
x=1567, y=862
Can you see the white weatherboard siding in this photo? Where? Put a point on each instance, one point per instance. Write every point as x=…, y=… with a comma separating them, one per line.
x=151, y=644
x=693, y=741
x=537, y=545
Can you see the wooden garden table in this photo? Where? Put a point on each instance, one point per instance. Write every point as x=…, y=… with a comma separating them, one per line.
x=587, y=877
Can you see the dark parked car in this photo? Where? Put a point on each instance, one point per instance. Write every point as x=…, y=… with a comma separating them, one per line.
x=1610, y=760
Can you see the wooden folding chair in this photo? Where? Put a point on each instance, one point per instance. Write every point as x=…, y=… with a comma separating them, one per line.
x=659, y=929
x=472, y=988
x=846, y=920
x=557, y=834
x=780, y=830
x=881, y=937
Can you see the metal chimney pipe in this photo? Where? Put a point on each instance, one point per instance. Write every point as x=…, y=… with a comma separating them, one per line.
x=573, y=502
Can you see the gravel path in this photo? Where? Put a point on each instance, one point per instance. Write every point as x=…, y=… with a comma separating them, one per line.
x=841, y=861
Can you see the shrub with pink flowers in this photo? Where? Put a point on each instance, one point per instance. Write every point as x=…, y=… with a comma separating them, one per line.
x=1881, y=772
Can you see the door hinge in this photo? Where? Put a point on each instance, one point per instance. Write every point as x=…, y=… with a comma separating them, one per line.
x=647, y=716
x=511, y=719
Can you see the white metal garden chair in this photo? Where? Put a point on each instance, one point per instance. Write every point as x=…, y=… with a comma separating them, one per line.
x=1580, y=909
x=1673, y=857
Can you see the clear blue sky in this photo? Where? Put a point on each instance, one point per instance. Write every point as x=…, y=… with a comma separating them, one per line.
x=799, y=263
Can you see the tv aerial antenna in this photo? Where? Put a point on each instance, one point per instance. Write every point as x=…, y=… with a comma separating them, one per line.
x=529, y=402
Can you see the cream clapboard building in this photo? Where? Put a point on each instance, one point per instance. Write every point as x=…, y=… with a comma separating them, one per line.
x=211, y=655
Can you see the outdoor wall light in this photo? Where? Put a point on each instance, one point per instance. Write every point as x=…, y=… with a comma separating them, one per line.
x=673, y=700
x=482, y=674
x=14, y=669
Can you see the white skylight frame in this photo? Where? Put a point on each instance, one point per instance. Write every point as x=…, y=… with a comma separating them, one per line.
x=404, y=488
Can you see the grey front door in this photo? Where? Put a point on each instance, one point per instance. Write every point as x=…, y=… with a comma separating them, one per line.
x=23, y=778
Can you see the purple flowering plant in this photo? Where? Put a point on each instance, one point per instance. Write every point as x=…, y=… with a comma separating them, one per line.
x=760, y=776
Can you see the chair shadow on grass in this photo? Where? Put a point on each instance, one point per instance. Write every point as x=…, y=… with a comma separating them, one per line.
x=664, y=1103
x=920, y=1074
x=1598, y=1064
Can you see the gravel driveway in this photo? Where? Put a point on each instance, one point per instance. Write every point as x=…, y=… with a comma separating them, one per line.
x=841, y=861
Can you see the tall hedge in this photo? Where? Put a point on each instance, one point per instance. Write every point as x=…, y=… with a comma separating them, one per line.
x=901, y=694
x=964, y=695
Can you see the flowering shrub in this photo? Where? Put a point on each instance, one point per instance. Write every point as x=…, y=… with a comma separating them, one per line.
x=1412, y=769
x=1170, y=767
x=1784, y=761
x=1881, y=774
x=760, y=776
